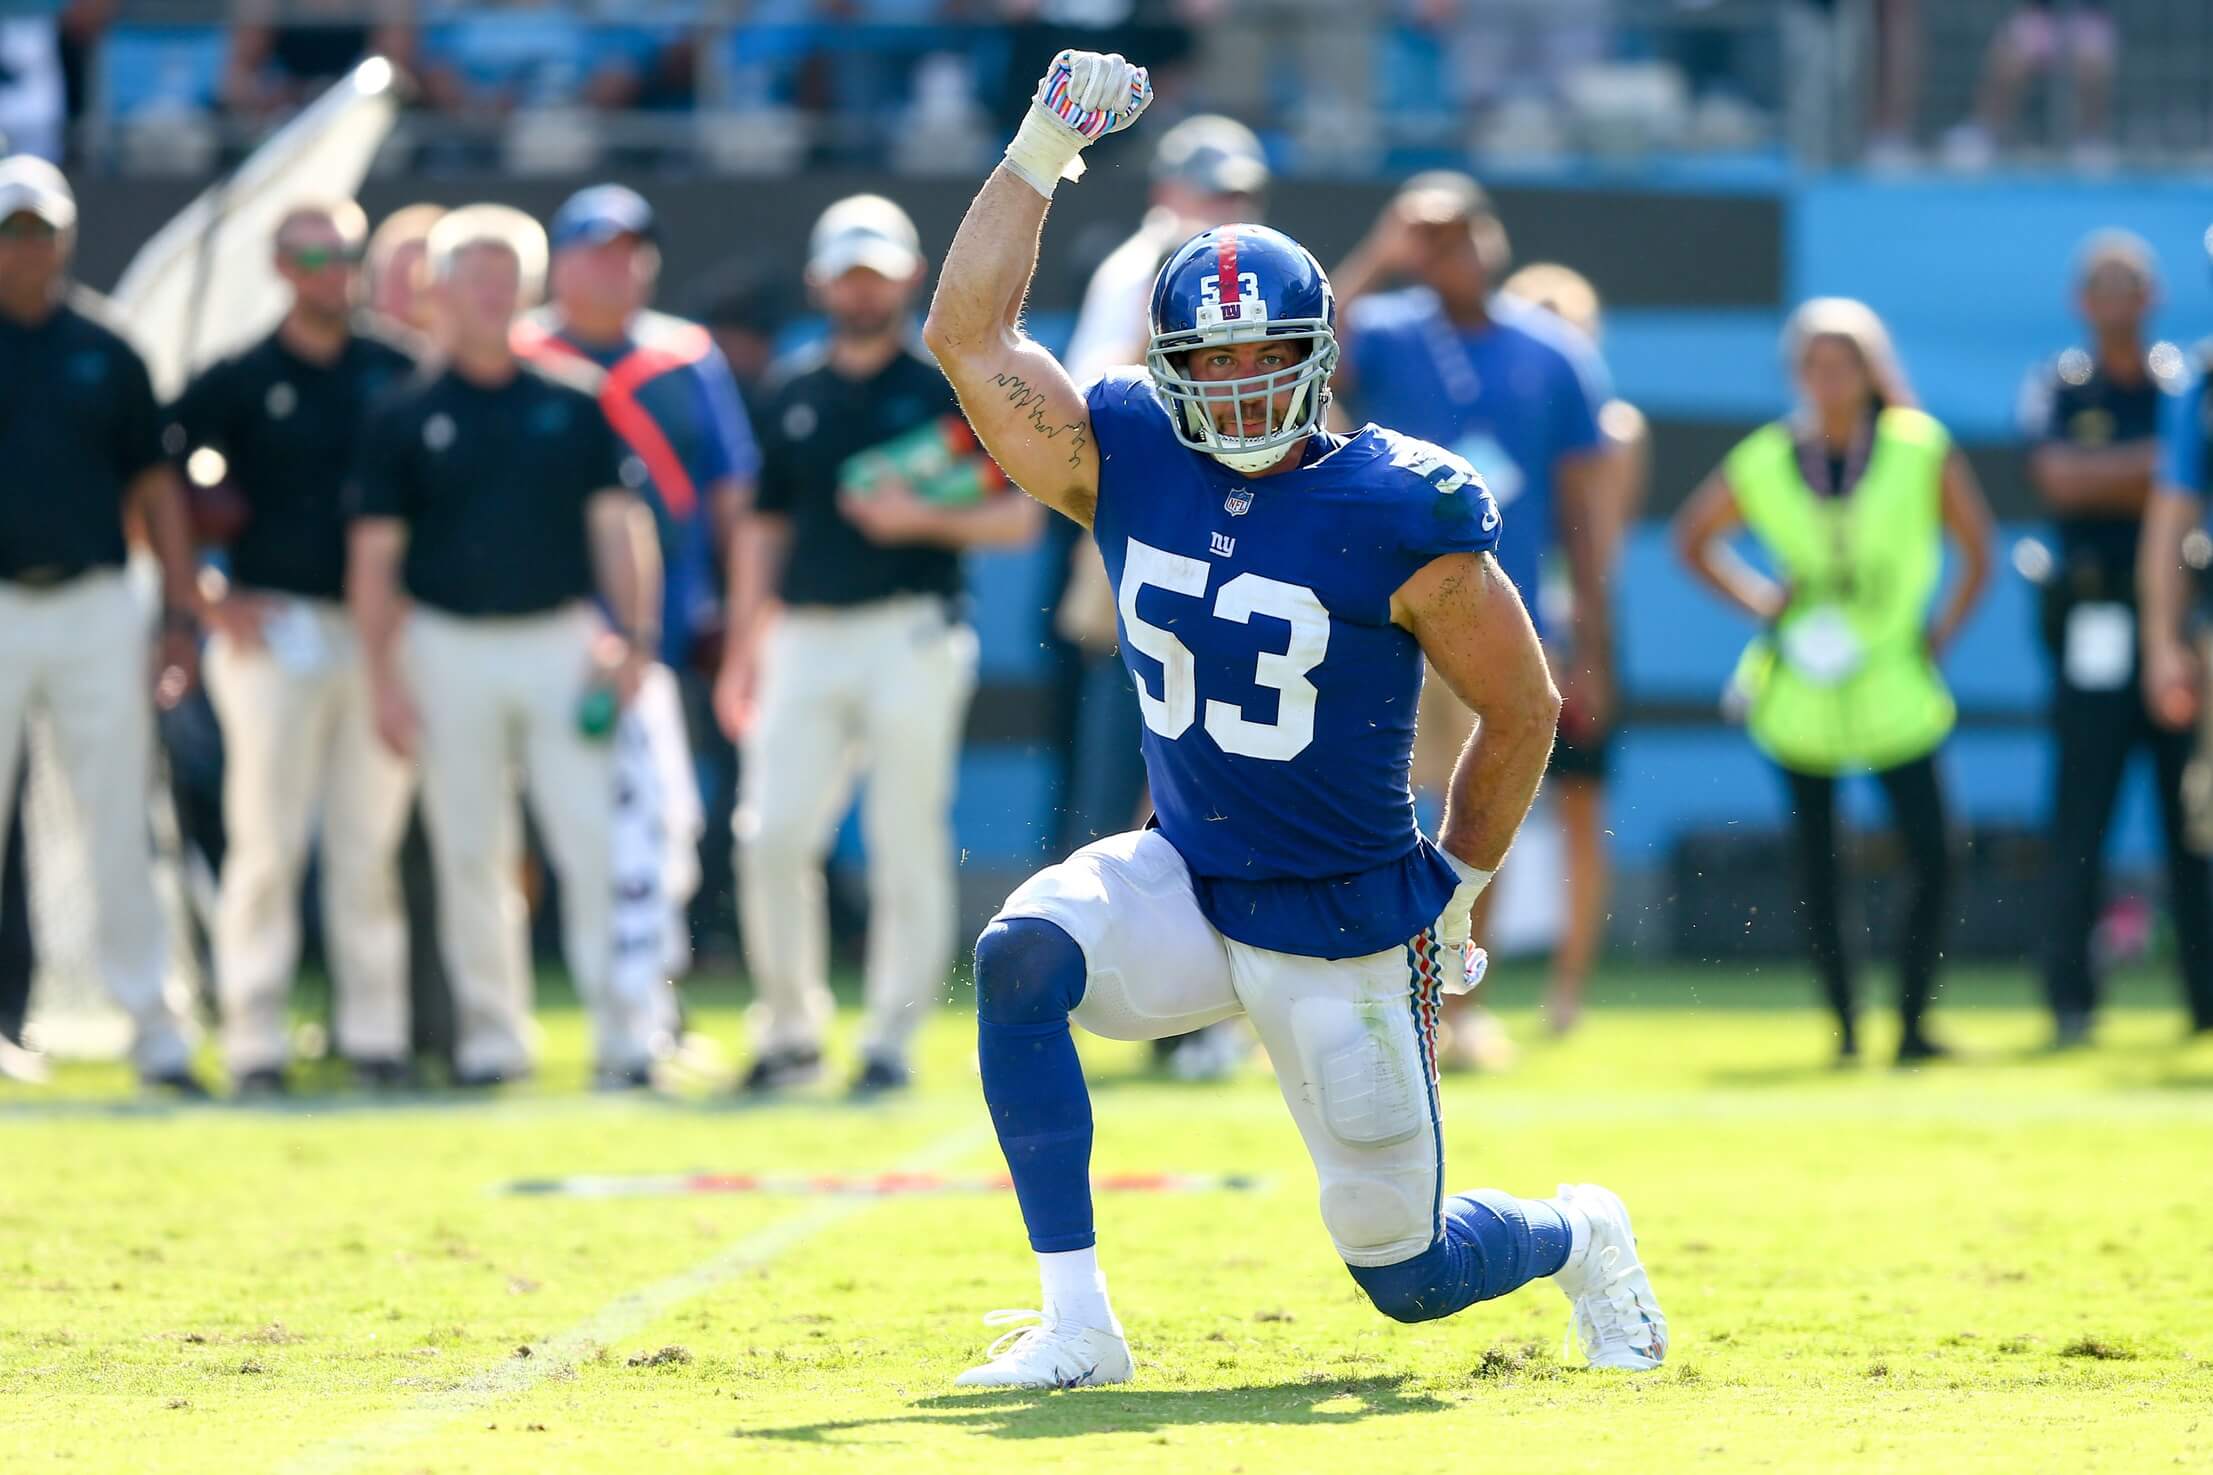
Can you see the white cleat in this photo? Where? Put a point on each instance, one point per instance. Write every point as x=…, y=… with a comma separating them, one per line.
x=1617, y=1318
x=1047, y=1354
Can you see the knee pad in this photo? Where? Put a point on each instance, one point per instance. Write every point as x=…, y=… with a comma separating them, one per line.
x=1028, y=971
x=1370, y=1089
x=1378, y=1219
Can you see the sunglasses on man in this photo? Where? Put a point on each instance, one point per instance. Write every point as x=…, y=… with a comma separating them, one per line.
x=26, y=227
x=315, y=258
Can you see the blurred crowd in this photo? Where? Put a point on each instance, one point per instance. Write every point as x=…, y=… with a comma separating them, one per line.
x=172, y=87
x=766, y=566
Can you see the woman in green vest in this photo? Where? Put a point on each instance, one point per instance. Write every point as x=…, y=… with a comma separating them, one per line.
x=1850, y=499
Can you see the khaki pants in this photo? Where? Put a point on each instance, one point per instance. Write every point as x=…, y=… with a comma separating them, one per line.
x=493, y=694
x=80, y=653
x=881, y=689
x=300, y=739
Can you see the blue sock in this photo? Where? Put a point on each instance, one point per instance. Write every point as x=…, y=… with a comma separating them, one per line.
x=1029, y=975
x=1493, y=1243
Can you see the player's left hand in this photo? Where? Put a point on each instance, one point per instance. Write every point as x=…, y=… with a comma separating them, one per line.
x=890, y=514
x=1456, y=923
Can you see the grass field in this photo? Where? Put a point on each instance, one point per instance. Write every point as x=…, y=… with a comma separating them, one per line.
x=1999, y=1265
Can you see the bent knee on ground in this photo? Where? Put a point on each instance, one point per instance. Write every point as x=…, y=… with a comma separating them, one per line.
x=1379, y=1220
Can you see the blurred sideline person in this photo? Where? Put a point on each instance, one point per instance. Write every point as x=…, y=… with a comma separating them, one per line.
x=81, y=455
x=1206, y=171
x=1582, y=756
x=284, y=670
x=399, y=298
x=2078, y=37
x=669, y=395
x=397, y=267
x=1518, y=394
x=2171, y=606
x=2093, y=415
x=849, y=653
x=1852, y=497
x=492, y=503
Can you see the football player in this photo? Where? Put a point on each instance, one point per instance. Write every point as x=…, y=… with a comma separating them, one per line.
x=1278, y=587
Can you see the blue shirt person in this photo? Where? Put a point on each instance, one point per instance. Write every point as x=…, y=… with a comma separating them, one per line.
x=2173, y=679
x=1506, y=386
x=665, y=388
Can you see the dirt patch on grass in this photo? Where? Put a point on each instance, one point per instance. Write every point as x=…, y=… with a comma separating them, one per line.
x=2098, y=1347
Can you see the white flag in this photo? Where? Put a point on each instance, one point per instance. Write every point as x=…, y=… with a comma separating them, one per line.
x=202, y=287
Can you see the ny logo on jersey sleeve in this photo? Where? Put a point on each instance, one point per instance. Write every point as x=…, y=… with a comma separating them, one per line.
x=1451, y=475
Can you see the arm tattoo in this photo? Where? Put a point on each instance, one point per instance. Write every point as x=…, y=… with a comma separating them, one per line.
x=1023, y=397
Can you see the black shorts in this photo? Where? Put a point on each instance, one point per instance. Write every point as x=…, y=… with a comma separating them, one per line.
x=1591, y=760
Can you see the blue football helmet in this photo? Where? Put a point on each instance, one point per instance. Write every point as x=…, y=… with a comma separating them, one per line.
x=1243, y=284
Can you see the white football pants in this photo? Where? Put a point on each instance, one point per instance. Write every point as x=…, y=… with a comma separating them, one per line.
x=299, y=738
x=81, y=654
x=492, y=695
x=880, y=690
x=1353, y=1040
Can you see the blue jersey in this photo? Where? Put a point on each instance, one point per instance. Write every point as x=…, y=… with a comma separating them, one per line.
x=1278, y=697
x=1511, y=398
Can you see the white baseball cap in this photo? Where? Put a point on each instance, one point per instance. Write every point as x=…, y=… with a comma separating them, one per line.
x=29, y=183
x=864, y=230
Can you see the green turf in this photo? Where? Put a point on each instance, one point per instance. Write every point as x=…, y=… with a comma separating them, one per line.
x=2001, y=1265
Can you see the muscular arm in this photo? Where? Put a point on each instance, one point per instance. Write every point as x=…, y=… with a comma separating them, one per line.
x=1702, y=530
x=626, y=561
x=2102, y=480
x=1967, y=519
x=1026, y=410
x=1477, y=636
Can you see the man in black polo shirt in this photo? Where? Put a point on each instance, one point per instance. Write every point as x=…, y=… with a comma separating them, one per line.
x=284, y=669
x=496, y=494
x=847, y=651
x=2095, y=414
x=80, y=451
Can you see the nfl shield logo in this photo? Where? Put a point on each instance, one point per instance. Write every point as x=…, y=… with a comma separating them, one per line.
x=1238, y=503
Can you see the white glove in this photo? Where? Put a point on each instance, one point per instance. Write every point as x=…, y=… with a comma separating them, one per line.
x=1456, y=921
x=1082, y=97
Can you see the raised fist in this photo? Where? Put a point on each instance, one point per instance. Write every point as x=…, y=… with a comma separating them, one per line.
x=1093, y=94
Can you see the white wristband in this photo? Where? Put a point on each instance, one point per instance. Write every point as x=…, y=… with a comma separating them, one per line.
x=1469, y=875
x=1045, y=151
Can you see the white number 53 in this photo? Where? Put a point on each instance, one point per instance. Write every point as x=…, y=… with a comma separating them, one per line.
x=1172, y=712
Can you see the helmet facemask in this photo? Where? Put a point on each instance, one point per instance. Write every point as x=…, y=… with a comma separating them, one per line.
x=1192, y=402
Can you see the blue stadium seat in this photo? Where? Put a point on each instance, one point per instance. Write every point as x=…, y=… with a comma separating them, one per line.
x=158, y=69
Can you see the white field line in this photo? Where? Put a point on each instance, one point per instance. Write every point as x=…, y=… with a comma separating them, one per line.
x=622, y=1317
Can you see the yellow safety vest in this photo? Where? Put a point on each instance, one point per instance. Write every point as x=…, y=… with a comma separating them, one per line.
x=1862, y=569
